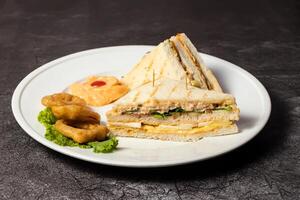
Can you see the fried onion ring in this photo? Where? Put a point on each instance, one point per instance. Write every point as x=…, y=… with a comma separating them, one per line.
x=81, y=132
x=61, y=99
x=75, y=113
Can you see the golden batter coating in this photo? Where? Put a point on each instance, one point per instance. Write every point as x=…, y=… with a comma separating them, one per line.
x=76, y=113
x=81, y=132
x=60, y=99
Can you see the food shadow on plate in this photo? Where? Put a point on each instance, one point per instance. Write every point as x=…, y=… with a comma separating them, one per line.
x=245, y=122
x=268, y=142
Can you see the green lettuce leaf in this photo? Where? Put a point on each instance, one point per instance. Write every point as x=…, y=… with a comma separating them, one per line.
x=227, y=108
x=164, y=115
x=106, y=146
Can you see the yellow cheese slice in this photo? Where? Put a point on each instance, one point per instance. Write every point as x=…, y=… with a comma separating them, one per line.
x=157, y=129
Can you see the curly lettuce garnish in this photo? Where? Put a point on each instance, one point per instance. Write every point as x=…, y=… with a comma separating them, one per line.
x=47, y=118
x=106, y=146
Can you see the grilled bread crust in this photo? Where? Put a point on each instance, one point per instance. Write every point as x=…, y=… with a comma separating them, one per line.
x=167, y=93
x=162, y=61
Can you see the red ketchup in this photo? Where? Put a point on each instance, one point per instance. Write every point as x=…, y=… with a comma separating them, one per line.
x=98, y=83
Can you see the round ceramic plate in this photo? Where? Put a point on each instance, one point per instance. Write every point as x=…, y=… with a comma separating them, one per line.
x=252, y=99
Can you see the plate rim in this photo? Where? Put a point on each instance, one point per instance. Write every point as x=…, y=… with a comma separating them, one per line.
x=16, y=109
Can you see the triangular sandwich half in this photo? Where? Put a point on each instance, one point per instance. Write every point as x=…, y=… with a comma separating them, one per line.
x=172, y=110
x=175, y=58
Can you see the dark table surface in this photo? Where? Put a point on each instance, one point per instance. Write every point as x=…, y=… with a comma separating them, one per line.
x=261, y=36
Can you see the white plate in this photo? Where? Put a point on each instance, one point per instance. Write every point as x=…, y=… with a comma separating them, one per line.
x=252, y=99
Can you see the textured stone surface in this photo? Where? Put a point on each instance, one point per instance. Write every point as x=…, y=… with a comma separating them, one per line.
x=261, y=36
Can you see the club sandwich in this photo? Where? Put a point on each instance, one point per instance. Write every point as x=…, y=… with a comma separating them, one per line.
x=175, y=58
x=168, y=109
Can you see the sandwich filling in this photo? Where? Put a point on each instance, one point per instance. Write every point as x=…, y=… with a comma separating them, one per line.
x=182, y=129
x=163, y=113
x=175, y=120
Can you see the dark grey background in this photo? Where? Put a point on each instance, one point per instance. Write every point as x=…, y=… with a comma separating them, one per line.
x=261, y=36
